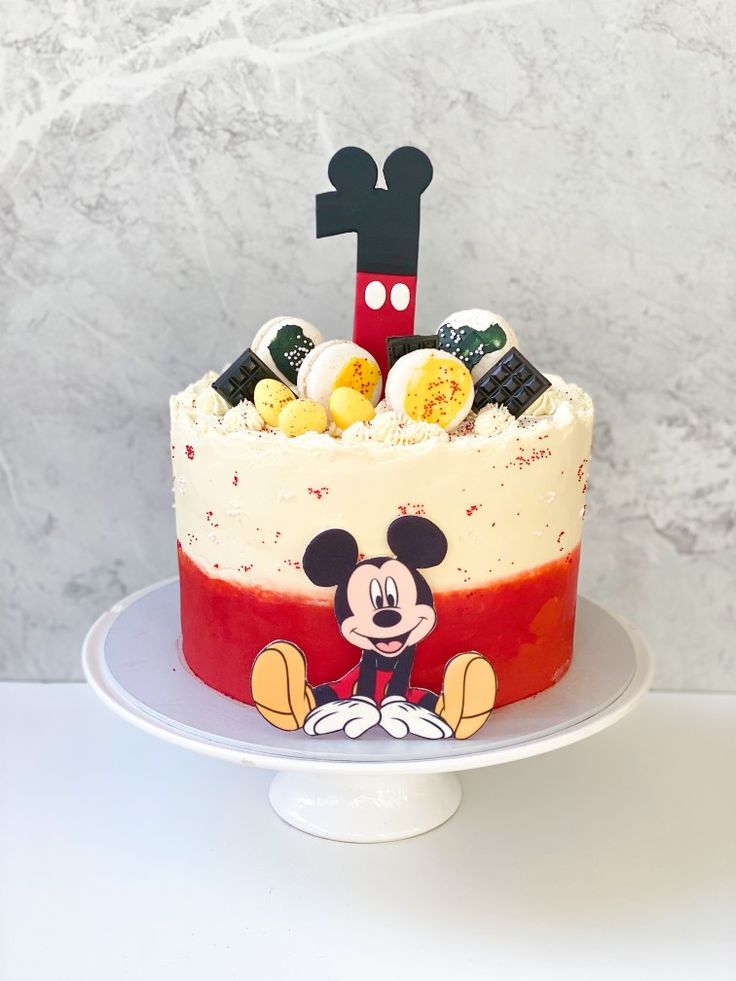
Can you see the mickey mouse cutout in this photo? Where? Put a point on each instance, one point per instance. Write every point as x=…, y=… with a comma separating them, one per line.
x=384, y=606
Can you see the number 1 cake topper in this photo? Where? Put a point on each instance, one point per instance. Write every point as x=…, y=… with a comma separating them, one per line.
x=386, y=221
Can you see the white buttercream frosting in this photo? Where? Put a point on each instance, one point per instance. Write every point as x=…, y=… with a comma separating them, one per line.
x=204, y=408
x=493, y=421
x=210, y=403
x=242, y=418
x=508, y=493
x=559, y=393
x=392, y=429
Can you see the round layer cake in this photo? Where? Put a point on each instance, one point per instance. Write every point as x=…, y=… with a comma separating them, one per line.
x=507, y=493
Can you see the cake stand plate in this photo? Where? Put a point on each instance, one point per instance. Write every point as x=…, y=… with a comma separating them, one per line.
x=374, y=788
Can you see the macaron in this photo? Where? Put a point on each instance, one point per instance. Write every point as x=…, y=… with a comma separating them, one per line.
x=339, y=364
x=479, y=338
x=348, y=406
x=270, y=397
x=302, y=416
x=431, y=386
x=282, y=343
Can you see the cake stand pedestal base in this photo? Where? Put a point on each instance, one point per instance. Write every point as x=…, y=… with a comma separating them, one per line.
x=380, y=807
x=370, y=789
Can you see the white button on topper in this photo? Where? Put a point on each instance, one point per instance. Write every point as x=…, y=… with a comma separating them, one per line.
x=375, y=295
x=400, y=296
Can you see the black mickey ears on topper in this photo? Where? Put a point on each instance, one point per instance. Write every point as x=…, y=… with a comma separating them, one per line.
x=416, y=541
x=386, y=219
x=330, y=557
x=352, y=172
x=407, y=171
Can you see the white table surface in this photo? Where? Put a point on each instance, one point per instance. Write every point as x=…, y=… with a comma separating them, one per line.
x=122, y=856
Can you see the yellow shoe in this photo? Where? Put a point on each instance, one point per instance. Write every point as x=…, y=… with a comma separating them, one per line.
x=468, y=693
x=279, y=686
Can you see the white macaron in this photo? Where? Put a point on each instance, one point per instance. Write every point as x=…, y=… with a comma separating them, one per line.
x=431, y=386
x=282, y=343
x=495, y=336
x=339, y=364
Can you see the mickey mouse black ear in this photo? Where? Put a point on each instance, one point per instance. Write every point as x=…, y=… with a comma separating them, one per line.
x=417, y=542
x=330, y=557
x=352, y=171
x=408, y=170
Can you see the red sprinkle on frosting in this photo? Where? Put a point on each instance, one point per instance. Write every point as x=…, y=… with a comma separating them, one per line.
x=413, y=508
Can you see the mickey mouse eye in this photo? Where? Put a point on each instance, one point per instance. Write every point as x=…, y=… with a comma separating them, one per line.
x=376, y=594
x=392, y=592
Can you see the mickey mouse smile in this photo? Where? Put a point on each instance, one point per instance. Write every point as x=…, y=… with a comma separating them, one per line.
x=390, y=645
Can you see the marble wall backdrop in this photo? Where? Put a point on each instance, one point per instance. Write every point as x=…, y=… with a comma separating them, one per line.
x=158, y=163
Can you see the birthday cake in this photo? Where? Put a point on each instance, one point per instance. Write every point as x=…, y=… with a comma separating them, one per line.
x=382, y=532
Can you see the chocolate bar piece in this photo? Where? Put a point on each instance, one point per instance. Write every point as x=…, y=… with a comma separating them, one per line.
x=238, y=382
x=397, y=347
x=513, y=381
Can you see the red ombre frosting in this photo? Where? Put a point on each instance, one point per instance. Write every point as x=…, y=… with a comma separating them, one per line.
x=508, y=495
x=524, y=625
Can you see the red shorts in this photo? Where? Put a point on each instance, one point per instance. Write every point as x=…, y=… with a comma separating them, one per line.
x=345, y=688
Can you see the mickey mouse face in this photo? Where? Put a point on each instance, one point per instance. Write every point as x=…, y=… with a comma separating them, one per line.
x=385, y=612
x=382, y=604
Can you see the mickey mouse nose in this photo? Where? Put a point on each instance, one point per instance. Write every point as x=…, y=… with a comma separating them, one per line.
x=386, y=618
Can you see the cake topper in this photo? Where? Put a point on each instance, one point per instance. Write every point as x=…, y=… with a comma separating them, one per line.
x=386, y=221
x=384, y=606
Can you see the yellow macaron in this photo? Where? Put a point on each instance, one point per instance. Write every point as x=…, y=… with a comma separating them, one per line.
x=431, y=386
x=339, y=364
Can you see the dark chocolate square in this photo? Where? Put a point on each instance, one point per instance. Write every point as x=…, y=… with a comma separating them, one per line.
x=397, y=347
x=513, y=381
x=238, y=382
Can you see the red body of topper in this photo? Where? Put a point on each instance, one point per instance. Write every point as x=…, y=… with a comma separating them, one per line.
x=384, y=307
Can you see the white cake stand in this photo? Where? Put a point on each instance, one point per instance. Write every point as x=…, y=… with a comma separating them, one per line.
x=375, y=788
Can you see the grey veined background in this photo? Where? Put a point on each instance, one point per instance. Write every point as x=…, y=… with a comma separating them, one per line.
x=158, y=165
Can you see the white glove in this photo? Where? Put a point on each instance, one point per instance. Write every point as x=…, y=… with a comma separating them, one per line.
x=353, y=716
x=399, y=718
